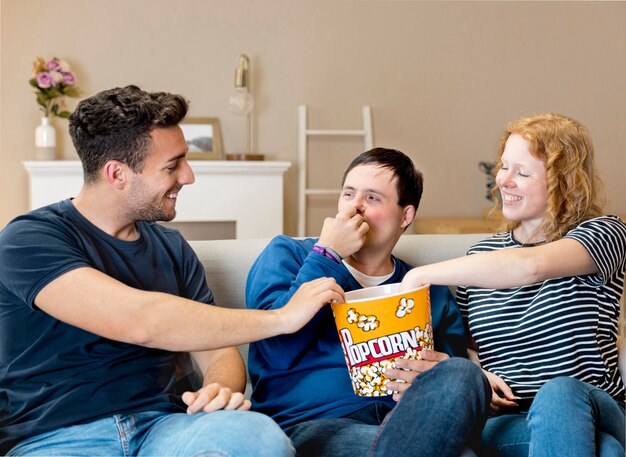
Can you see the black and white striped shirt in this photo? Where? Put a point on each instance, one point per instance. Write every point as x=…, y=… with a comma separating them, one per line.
x=560, y=327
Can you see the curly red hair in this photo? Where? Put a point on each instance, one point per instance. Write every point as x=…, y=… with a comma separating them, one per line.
x=565, y=146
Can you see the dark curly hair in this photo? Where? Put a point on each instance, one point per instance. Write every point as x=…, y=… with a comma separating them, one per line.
x=410, y=183
x=115, y=124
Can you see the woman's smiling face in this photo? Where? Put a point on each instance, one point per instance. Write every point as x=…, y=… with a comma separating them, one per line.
x=522, y=183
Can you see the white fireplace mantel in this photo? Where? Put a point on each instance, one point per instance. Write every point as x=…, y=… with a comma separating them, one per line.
x=250, y=193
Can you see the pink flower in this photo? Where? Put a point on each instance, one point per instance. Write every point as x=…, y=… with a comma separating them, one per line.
x=44, y=80
x=53, y=64
x=69, y=79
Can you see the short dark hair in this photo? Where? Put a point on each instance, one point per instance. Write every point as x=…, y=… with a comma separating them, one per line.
x=115, y=124
x=410, y=181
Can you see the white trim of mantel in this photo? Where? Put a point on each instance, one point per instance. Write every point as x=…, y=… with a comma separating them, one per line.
x=247, y=192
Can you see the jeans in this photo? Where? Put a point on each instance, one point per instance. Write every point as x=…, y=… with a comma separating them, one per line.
x=437, y=417
x=220, y=433
x=568, y=417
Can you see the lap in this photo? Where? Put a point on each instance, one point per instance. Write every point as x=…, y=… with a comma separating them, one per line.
x=340, y=437
x=347, y=436
x=235, y=433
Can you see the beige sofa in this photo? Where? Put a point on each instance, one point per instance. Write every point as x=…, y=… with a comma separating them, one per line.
x=227, y=263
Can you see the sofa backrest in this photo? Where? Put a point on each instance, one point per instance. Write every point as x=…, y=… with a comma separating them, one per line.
x=227, y=262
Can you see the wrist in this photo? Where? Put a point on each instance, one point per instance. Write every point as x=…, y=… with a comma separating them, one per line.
x=281, y=322
x=327, y=252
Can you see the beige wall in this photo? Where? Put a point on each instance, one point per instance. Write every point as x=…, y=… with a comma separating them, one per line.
x=442, y=78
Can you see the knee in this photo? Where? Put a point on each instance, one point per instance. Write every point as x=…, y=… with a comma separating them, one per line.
x=556, y=394
x=267, y=434
x=254, y=433
x=560, y=389
x=468, y=375
x=467, y=372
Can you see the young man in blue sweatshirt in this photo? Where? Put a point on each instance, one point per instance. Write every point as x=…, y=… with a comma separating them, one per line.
x=301, y=380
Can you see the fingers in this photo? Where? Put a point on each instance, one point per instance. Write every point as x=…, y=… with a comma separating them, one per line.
x=214, y=397
x=324, y=289
x=345, y=233
x=398, y=389
x=310, y=297
x=347, y=213
x=498, y=385
x=502, y=396
x=238, y=401
x=498, y=403
x=406, y=370
x=433, y=356
x=428, y=360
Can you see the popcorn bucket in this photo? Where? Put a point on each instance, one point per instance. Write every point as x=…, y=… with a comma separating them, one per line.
x=378, y=325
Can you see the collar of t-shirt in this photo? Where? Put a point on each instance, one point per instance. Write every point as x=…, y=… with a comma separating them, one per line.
x=366, y=280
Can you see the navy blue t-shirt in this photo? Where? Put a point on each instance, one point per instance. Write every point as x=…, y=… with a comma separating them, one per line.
x=53, y=374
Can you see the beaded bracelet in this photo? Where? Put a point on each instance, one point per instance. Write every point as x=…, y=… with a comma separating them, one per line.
x=327, y=252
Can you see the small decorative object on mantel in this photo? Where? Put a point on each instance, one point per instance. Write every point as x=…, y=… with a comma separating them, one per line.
x=204, y=138
x=53, y=80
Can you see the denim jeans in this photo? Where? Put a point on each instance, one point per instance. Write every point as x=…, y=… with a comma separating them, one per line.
x=568, y=417
x=220, y=433
x=437, y=416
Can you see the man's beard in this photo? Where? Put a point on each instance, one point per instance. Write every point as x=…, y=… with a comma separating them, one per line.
x=153, y=213
x=147, y=209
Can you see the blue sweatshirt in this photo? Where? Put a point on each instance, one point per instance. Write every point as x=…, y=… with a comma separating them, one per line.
x=303, y=376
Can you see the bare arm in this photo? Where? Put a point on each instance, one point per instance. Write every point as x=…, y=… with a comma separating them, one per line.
x=507, y=267
x=89, y=299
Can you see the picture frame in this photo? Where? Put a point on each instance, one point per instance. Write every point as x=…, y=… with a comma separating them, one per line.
x=204, y=138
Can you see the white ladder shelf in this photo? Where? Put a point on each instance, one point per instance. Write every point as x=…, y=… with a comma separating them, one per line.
x=303, y=133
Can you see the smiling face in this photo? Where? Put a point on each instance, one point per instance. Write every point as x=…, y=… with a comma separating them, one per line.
x=152, y=193
x=522, y=184
x=372, y=190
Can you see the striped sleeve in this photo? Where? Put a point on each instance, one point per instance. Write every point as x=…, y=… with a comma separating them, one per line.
x=604, y=238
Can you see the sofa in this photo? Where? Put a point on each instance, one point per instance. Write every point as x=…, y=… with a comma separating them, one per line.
x=227, y=263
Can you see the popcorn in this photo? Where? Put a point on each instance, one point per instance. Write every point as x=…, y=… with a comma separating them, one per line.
x=405, y=307
x=365, y=323
x=368, y=323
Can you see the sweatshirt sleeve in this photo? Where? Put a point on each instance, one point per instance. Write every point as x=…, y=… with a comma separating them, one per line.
x=283, y=266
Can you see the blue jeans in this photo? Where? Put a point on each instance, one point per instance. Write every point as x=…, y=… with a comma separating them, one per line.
x=437, y=416
x=220, y=433
x=567, y=417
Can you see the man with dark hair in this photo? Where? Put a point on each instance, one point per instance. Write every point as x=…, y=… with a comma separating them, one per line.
x=301, y=380
x=96, y=299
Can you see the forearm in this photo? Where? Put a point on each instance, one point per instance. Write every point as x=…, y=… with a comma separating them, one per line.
x=480, y=270
x=177, y=324
x=94, y=302
x=223, y=366
x=506, y=268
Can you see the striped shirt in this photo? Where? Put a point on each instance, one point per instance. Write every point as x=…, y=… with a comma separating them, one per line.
x=560, y=327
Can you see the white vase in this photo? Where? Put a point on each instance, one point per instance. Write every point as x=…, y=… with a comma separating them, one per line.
x=45, y=140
